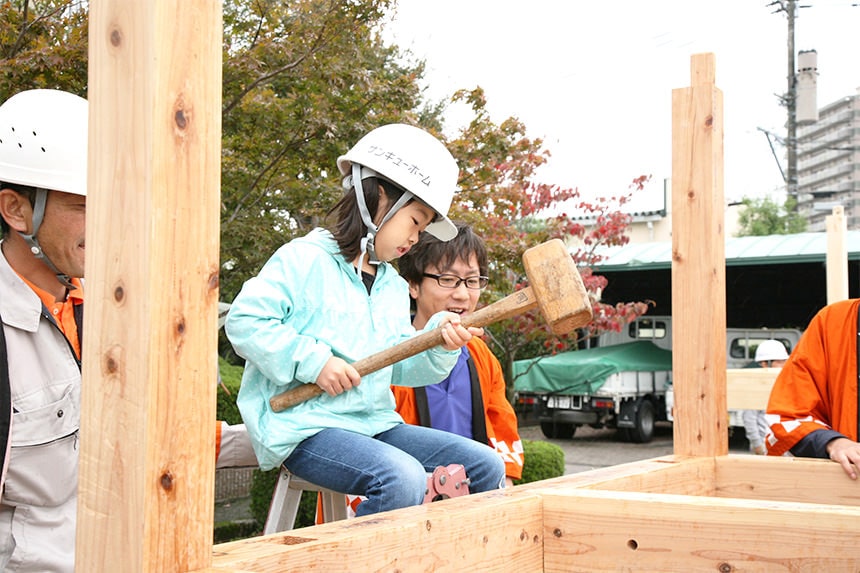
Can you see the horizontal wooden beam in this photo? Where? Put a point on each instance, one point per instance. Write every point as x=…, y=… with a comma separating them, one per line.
x=744, y=509
x=807, y=480
x=594, y=530
x=749, y=388
x=496, y=531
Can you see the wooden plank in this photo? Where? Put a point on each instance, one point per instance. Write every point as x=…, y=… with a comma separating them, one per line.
x=667, y=473
x=496, y=531
x=600, y=531
x=836, y=262
x=689, y=476
x=698, y=265
x=784, y=479
x=749, y=388
x=146, y=484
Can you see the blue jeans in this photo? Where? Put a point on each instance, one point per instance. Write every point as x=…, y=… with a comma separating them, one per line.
x=391, y=468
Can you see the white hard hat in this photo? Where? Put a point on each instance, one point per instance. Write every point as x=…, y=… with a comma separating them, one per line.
x=413, y=159
x=43, y=141
x=770, y=350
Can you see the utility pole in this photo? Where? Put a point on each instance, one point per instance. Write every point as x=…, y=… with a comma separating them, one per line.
x=789, y=99
x=791, y=105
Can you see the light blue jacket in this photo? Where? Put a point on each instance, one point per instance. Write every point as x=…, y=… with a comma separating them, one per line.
x=307, y=304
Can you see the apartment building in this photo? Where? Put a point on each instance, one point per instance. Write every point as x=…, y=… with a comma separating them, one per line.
x=828, y=163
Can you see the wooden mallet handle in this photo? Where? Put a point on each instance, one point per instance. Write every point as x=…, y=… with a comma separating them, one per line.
x=512, y=305
x=556, y=286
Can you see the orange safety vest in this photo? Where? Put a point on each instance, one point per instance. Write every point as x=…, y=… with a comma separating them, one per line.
x=494, y=419
x=817, y=387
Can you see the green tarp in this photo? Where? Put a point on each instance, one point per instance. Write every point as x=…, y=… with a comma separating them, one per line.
x=584, y=371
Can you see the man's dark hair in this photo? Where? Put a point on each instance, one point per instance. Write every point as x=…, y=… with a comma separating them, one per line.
x=28, y=192
x=348, y=228
x=442, y=254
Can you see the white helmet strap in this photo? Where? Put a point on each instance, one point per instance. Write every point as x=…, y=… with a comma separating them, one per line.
x=31, y=240
x=359, y=174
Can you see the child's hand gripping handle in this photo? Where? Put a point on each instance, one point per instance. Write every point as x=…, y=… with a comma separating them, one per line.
x=513, y=304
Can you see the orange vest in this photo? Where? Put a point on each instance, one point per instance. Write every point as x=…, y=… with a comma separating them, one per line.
x=499, y=416
x=817, y=387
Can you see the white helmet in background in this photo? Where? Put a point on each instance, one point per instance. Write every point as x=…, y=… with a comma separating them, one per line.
x=43, y=144
x=770, y=350
x=43, y=141
x=412, y=159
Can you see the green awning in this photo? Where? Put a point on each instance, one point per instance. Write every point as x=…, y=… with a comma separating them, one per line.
x=766, y=250
x=584, y=371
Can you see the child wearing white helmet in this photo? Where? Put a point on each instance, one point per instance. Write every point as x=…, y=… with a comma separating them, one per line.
x=43, y=186
x=332, y=297
x=768, y=354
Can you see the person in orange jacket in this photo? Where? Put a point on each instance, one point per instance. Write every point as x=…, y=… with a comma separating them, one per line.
x=472, y=400
x=812, y=409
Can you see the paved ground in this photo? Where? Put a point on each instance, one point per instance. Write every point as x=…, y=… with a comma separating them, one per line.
x=590, y=449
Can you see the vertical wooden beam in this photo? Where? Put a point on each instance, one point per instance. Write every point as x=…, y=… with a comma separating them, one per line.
x=837, y=256
x=698, y=265
x=146, y=484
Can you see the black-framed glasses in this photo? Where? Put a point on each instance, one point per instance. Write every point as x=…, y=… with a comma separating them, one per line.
x=453, y=281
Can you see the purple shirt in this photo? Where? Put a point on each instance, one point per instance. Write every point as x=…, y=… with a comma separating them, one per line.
x=450, y=401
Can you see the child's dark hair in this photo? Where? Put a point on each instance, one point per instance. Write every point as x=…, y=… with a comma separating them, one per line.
x=26, y=191
x=442, y=254
x=348, y=228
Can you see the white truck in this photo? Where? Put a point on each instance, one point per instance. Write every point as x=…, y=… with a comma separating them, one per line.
x=619, y=384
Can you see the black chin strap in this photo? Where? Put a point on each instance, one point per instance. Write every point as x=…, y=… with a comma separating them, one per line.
x=5, y=396
x=33, y=242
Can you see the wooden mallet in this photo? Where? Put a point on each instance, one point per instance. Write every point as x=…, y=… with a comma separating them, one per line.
x=556, y=288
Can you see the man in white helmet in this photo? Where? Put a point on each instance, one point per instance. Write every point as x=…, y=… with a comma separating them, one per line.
x=43, y=159
x=769, y=354
x=43, y=186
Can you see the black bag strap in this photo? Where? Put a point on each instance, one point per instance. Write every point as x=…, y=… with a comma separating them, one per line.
x=857, y=338
x=479, y=420
x=5, y=396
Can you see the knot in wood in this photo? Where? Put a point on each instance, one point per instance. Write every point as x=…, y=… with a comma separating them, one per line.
x=166, y=481
x=180, y=119
x=115, y=37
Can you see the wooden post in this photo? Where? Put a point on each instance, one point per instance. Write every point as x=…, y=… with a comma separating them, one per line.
x=837, y=256
x=698, y=265
x=147, y=464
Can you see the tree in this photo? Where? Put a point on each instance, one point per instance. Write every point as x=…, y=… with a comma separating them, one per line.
x=502, y=200
x=764, y=216
x=43, y=45
x=303, y=80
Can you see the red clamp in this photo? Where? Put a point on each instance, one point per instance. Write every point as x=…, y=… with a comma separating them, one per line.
x=446, y=482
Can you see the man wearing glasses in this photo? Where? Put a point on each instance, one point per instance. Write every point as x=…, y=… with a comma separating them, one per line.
x=472, y=401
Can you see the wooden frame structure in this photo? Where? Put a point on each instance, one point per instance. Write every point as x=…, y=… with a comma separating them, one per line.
x=147, y=457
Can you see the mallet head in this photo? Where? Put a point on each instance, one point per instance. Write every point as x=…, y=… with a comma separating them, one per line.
x=558, y=286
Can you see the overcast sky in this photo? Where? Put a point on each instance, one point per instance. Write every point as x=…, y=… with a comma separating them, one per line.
x=594, y=78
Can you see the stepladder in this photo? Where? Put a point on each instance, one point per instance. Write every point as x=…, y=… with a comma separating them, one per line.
x=443, y=482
